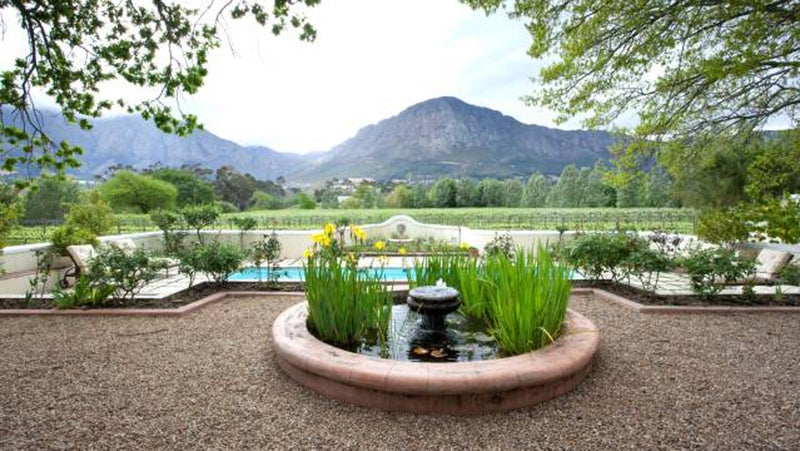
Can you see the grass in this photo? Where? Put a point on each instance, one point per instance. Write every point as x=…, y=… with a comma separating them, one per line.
x=666, y=219
x=522, y=299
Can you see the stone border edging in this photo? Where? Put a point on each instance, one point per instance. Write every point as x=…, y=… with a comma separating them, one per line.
x=683, y=309
x=452, y=388
x=163, y=312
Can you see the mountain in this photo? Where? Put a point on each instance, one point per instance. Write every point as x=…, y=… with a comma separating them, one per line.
x=129, y=140
x=446, y=136
x=438, y=137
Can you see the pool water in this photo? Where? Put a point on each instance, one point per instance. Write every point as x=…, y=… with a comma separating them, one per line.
x=295, y=274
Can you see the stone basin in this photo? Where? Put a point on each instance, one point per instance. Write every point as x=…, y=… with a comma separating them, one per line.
x=452, y=388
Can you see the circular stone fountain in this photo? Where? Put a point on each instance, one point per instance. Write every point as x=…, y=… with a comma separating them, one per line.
x=454, y=388
x=433, y=303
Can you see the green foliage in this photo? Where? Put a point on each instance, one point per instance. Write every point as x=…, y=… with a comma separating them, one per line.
x=709, y=269
x=305, y=202
x=199, y=217
x=86, y=292
x=126, y=271
x=192, y=190
x=68, y=234
x=400, y=197
x=10, y=211
x=139, y=192
x=725, y=227
x=775, y=218
x=50, y=197
x=618, y=255
x=345, y=306
x=38, y=283
x=226, y=207
x=264, y=201
x=501, y=244
x=92, y=214
x=528, y=298
x=218, y=260
x=234, y=187
x=684, y=68
x=154, y=46
x=191, y=259
x=439, y=265
x=267, y=251
x=170, y=224
x=790, y=275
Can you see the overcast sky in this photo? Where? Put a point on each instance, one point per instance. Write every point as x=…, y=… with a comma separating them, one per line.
x=371, y=60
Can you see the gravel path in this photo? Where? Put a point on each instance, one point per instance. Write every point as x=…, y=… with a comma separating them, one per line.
x=209, y=381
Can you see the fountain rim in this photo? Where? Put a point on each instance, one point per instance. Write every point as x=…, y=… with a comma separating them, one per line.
x=558, y=363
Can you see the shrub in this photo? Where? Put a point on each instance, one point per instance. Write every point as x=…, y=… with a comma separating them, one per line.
x=200, y=217
x=790, y=275
x=68, y=234
x=38, y=283
x=646, y=265
x=500, y=244
x=93, y=214
x=218, y=260
x=723, y=227
x=126, y=271
x=170, y=224
x=709, y=269
x=191, y=261
x=267, y=251
x=597, y=254
x=226, y=207
x=345, y=306
x=86, y=292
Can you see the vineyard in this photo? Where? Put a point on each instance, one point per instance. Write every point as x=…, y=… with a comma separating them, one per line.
x=665, y=219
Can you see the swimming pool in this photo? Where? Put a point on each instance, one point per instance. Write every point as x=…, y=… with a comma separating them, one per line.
x=295, y=274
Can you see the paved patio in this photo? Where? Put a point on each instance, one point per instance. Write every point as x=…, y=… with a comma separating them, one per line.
x=209, y=381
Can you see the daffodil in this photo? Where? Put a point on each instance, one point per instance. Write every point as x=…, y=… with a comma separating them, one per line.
x=329, y=228
x=464, y=246
x=380, y=245
x=402, y=251
x=308, y=253
x=359, y=233
x=318, y=237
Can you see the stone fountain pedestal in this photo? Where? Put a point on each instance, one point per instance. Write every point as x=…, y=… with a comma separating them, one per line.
x=433, y=303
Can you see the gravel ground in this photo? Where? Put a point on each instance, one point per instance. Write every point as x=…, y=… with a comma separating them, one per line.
x=210, y=381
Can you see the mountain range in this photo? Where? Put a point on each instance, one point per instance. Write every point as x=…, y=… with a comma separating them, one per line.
x=438, y=137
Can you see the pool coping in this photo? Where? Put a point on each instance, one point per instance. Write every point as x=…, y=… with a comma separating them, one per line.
x=217, y=297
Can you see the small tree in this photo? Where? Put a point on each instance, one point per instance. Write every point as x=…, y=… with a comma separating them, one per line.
x=245, y=224
x=218, y=260
x=170, y=224
x=200, y=217
x=140, y=192
x=267, y=251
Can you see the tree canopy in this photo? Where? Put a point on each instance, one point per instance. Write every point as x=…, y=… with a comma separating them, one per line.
x=75, y=46
x=685, y=67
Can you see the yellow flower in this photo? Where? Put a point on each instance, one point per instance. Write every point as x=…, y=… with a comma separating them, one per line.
x=329, y=228
x=308, y=253
x=359, y=233
x=326, y=241
x=464, y=246
x=402, y=251
x=318, y=237
x=351, y=257
x=380, y=245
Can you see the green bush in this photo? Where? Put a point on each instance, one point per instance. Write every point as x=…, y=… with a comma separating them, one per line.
x=127, y=272
x=200, y=217
x=226, y=207
x=86, y=292
x=724, y=227
x=598, y=254
x=709, y=269
x=267, y=251
x=68, y=234
x=92, y=214
x=790, y=275
x=218, y=260
x=500, y=245
x=646, y=265
x=170, y=224
x=191, y=261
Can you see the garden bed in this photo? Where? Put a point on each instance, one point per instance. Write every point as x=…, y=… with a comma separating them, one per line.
x=649, y=298
x=179, y=299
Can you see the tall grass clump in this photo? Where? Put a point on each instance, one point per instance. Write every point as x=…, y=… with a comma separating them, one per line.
x=345, y=306
x=527, y=299
x=440, y=265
